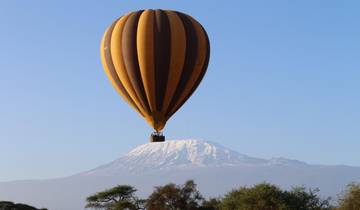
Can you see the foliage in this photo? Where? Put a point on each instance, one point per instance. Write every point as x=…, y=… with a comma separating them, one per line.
x=211, y=204
x=261, y=196
x=300, y=199
x=173, y=197
x=121, y=197
x=350, y=200
x=7, y=205
x=269, y=197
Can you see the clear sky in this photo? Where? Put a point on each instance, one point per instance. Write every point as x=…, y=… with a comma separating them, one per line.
x=283, y=80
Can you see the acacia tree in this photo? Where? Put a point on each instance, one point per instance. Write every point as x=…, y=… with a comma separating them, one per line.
x=121, y=197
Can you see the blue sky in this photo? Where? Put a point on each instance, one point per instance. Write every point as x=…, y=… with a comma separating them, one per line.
x=283, y=80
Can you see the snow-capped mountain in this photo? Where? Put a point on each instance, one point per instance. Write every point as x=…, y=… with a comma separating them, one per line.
x=178, y=154
x=214, y=168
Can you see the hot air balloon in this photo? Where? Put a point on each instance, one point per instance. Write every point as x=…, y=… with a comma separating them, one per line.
x=155, y=59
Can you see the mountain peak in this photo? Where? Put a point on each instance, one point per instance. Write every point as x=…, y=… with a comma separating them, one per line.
x=183, y=152
x=178, y=154
x=189, y=153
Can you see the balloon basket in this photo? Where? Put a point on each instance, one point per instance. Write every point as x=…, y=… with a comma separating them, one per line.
x=157, y=137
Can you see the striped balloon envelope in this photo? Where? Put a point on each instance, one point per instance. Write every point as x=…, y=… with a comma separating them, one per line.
x=155, y=59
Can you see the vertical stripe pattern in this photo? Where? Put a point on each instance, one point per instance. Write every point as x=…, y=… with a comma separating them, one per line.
x=155, y=59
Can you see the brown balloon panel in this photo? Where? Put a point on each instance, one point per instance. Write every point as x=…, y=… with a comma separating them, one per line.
x=155, y=59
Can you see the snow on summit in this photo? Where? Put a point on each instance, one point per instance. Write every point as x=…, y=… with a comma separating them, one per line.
x=177, y=154
x=184, y=153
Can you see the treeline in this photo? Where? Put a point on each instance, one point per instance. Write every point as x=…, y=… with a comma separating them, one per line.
x=262, y=196
x=258, y=197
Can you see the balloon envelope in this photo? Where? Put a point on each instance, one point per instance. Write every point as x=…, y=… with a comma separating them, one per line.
x=155, y=59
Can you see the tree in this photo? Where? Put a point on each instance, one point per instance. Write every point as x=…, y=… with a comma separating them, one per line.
x=350, y=199
x=175, y=197
x=262, y=196
x=300, y=199
x=269, y=197
x=121, y=197
x=7, y=205
x=211, y=204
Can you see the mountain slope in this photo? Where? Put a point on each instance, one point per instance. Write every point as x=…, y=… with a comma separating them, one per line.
x=214, y=168
x=177, y=154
